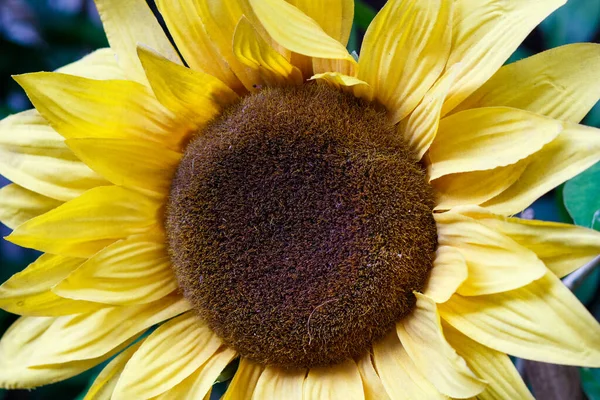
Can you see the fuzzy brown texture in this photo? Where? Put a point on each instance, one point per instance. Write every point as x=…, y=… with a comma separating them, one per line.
x=299, y=226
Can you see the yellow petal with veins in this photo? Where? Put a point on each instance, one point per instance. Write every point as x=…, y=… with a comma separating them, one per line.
x=348, y=84
x=372, y=384
x=29, y=292
x=170, y=354
x=128, y=23
x=496, y=368
x=562, y=247
x=129, y=163
x=484, y=34
x=19, y=205
x=136, y=270
x=35, y=157
x=448, y=273
x=100, y=64
x=277, y=383
x=573, y=151
x=199, y=384
x=254, y=52
x=86, y=224
x=334, y=16
x=542, y=321
x=200, y=53
x=421, y=335
x=495, y=262
x=244, y=381
x=299, y=33
x=105, y=383
x=405, y=51
x=339, y=381
x=399, y=375
x=191, y=95
x=561, y=83
x=78, y=107
x=489, y=141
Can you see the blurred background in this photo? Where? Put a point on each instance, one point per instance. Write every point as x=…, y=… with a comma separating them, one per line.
x=42, y=35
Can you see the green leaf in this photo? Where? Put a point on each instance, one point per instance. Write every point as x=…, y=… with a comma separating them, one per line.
x=363, y=14
x=590, y=381
x=581, y=197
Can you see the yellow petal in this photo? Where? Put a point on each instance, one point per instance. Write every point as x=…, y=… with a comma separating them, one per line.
x=399, y=375
x=254, y=52
x=128, y=23
x=35, y=157
x=129, y=163
x=198, y=384
x=185, y=25
x=475, y=187
x=448, y=273
x=105, y=383
x=19, y=346
x=18, y=205
x=372, y=385
x=573, y=151
x=421, y=335
x=486, y=138
x=91, y=335
x=136, y=270
x=344, y=67
x=349, y=84
x=542, y=321
x=219, y=19
x=496, y=263
x=299, y=33
x=404, y=52
x=29, y=291
x=484, y=34
x=496, y=368
x=421, y=127
x=100, y=64
x=88, y=223
x=190, y=95
x=340, y=381
x=335, y=17
x=244, y=381
x=562, y=247
x=78, y=107
x=561, y=83
x=169, y=355
x=277, y=383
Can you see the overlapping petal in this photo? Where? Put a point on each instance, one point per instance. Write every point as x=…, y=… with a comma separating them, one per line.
x=495, y=262
x=542, y=321
x=422, y=337
x=135, y=270
x=562, y=247
x=372, y=384
x=100, y=64
x=244, y=381
x=78, y=107
x=561, y=83
x=128, y=23
x=496, y=368
x=277, y=383
x=254, y=52
x=88, y=223
x=404, y=51
x=333, y=382
x=448, y=273
x=169, y=355
x=484, y=138
x=35, y=157
x=348, y=84
x=29, y=292
x=484, y=34
x=18, y=205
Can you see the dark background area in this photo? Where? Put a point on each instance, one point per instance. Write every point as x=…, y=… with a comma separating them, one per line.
x=42, y=35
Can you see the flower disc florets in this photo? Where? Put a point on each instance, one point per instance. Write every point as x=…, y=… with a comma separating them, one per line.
x=299, y=226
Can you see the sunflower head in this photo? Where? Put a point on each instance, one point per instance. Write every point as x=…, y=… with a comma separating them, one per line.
x=299, y=226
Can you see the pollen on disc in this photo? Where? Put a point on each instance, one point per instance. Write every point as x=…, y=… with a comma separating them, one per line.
x=299, y=226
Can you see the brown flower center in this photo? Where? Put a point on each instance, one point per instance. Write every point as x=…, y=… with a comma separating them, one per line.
x=299, y=226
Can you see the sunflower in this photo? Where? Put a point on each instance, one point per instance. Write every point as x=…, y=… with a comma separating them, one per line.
x=338, y=227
